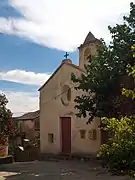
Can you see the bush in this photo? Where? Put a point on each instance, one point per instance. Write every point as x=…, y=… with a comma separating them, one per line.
x=119, y=152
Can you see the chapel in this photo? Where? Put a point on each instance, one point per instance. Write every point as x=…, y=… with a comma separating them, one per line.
x=61, y=131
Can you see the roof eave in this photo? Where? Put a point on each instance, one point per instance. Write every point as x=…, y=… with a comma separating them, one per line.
x=73, y=65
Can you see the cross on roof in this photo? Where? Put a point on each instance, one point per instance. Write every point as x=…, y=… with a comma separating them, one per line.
x=66, y=55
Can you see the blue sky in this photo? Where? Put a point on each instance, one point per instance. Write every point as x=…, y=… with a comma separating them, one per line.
x=34, y=35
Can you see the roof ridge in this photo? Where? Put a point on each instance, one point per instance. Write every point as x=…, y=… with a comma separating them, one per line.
x=90, y=38
x=70, y=64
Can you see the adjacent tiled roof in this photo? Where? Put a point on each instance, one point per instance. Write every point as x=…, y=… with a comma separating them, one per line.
x=29, y=116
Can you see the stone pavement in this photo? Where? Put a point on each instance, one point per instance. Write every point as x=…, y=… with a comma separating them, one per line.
x=52, y=170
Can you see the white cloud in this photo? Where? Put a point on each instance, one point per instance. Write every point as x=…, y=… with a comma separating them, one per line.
x=22, y=102
x=63, y=24
x=25, y=77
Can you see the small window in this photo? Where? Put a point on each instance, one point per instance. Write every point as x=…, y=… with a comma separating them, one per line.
x=51, y=138
x=69, y=94
x=82, y=134
x=92, y=134
x=89, y=58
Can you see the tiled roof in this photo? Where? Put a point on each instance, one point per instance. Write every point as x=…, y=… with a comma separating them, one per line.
x=29, y=116
x=90, y=38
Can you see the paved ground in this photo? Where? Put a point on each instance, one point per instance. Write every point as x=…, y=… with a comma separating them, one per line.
x=52, y=170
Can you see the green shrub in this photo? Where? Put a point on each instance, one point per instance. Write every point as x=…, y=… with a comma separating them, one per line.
x=119, y=152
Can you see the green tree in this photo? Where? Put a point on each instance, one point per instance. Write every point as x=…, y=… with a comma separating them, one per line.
x=104, y=75
x=5, y=119
x=131, y=72
x=119, y=151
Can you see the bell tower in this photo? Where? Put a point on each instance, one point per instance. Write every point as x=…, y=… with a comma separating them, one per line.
x=88, y=49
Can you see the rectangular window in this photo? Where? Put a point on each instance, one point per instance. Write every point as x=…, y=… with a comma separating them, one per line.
x=82, y=134
x=51, y=138
x=92, y=134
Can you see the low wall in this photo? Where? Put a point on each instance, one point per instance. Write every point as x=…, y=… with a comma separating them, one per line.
x=3, y=150
x=26, y=155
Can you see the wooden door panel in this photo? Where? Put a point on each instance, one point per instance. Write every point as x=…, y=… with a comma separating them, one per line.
x=66, y=134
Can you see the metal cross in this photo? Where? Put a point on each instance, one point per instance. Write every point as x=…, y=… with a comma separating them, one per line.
x=66, y=55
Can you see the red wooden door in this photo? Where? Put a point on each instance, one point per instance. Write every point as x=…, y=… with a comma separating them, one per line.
x=66, y=134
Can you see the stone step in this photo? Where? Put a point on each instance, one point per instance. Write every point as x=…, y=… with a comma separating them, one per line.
x=56, y=157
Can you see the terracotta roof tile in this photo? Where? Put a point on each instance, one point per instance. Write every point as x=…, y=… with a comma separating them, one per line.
x=29, y=116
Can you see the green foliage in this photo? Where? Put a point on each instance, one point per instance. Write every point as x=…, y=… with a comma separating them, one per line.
x=5, y=116
x=102, y=81
x=133, y=49
x=131, y=72
x=119, y=151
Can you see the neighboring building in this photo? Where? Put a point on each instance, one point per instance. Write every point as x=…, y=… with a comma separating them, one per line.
x=29, y=125
x=60, y=130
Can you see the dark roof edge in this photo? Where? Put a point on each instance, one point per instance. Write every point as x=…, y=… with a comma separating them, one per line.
x=28, y=116
x=26, y=119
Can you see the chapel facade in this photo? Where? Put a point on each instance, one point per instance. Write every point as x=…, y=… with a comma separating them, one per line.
x=60, y=130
